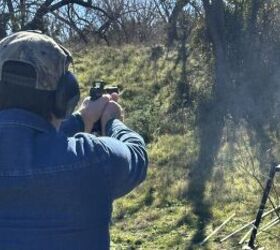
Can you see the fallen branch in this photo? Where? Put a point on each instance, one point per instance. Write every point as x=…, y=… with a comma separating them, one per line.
x=269, y=225
x=245, y=236
x=250, y=223
x=217, y=229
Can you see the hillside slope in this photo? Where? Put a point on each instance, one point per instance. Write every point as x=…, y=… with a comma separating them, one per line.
x=163, y=213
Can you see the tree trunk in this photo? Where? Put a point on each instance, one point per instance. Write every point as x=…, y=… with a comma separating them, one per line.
x=215, y=25
x=22, y=13
x=172, y=29
x=4, y=17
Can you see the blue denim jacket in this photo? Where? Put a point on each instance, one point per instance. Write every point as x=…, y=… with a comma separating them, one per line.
x=57, y=188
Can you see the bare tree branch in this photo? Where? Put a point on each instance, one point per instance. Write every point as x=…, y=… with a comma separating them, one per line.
x=12, y=15
x=72, y=25
x=47, y=8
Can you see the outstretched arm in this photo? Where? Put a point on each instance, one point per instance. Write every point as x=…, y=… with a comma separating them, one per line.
x=127, y=158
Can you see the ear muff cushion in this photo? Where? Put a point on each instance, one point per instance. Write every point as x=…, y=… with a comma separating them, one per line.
x=67, y=95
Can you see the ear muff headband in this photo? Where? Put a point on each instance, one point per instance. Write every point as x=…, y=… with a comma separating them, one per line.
x=67, y=95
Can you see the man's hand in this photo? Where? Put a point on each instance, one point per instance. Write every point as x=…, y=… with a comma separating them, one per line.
x=91, y=111
x=112, y=110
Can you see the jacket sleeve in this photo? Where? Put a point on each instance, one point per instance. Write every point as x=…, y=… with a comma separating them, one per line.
x=72, y=125
x=127, y=157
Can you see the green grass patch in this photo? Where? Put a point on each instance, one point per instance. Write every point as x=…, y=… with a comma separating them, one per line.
x=158, y=214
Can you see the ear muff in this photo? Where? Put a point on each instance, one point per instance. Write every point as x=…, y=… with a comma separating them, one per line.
x=67, y=95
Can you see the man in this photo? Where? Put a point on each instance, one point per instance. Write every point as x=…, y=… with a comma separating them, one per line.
x=57, y=183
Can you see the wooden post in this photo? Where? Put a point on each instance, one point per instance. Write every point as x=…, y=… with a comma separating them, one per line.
x=265, y=196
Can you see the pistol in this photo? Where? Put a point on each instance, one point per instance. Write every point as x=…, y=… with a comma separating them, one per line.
x=99, y=88
x=96, y=91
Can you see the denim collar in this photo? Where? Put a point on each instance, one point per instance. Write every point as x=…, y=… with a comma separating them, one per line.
x=23, y=118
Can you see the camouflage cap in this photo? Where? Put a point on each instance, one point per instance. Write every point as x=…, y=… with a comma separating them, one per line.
x=49, y=59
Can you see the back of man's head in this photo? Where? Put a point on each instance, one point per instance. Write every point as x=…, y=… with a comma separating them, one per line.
x=31, y=68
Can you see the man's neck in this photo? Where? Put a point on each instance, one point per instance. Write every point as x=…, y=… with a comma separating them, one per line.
x=56, y=122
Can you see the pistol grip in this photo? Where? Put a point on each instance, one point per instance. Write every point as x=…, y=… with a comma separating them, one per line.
x=97, y=127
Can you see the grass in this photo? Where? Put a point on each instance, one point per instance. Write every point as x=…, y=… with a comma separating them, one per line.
x=158, y=214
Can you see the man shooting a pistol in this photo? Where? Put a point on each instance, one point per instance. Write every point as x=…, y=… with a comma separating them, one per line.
x=57, y=180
